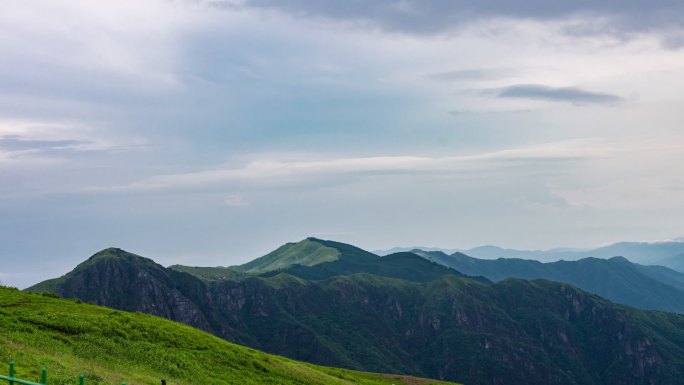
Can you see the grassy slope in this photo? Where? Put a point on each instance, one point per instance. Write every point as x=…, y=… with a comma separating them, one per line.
x=308, y=252
x=69, y=337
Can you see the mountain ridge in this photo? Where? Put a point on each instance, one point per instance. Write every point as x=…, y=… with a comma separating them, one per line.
x=669, y=253
x=618, y=279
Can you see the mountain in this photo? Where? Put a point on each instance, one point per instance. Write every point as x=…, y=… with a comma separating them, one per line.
x=663, y=274
x=446, y=326
x=320, y=259
x=409, y=249
x=494, y=252
x=617, y=279
x=70, y=337
x=408, y=266
x=125, y=281
x=642, y=252
x=308, y=252
x=676, y=262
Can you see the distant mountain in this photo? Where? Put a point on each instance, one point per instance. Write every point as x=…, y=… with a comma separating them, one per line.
x=648, y=253
x=617, y=279
x=408, y=249
x=676, y=262
x=663, y=274
x=641, y=252
x=494, y=252
x=425, y=323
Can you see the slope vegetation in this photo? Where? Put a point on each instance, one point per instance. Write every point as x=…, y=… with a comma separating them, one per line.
x=70, y=337
x=308, y=252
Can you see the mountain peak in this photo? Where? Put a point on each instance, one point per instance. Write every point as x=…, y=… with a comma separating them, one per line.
x=115, y=254
x=110, y=252
x=307, y=252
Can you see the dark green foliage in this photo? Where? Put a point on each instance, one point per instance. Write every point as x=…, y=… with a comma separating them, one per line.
x=454, y=328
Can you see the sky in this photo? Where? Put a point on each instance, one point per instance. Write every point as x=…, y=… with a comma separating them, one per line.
x=211, y=132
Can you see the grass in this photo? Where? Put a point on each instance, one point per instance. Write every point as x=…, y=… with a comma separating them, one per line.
x=69, y=337
x=308, y=252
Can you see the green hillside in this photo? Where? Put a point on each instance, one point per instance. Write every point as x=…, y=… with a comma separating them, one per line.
x=308, y=252
x=70, y=337
x=407, y=266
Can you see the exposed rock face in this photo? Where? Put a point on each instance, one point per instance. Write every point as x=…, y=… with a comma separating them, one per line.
x=122, y=281
x=452, y=327
x=512, y=332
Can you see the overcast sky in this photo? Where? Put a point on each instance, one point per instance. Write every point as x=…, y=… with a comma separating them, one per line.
x=211, y=132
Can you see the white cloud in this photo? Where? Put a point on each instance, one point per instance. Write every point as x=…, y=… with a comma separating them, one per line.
x=41, y=144
x=85, y=138
x=128, y=38
x=235, y=201
x=287, y=170
x=595, y=18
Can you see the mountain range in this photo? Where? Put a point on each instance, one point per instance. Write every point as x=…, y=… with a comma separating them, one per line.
x=617, y=279
x=668, y=253
x=334, y=304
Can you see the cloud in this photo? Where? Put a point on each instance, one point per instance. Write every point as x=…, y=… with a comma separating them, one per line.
x=279, y=171
x=235, y=201
x=435, y=16
x=474, y=74
x=18, y=143
x=43, y=145
x=46, y=136
x=558, y=94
